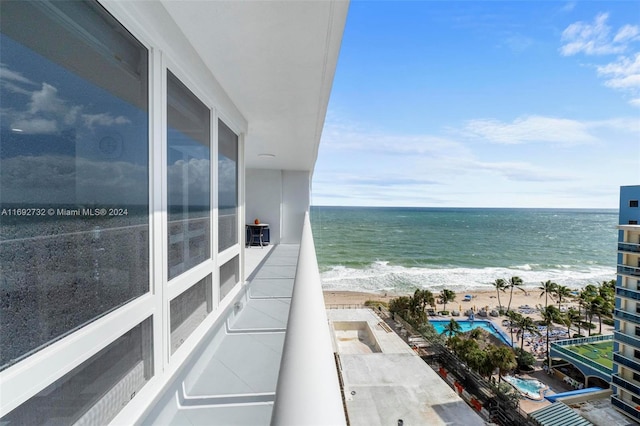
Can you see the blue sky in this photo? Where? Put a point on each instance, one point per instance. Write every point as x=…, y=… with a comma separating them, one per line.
x=483, y=104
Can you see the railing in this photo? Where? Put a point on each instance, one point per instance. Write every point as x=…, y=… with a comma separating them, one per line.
x=582, y=340
x=625, y=406
x=628, y=316
x=629, y=270
x=346, y=306
x=627, y=362
x=626, y=339
x=630, y=247
x=625, y=384
x=628, y=293
x=308, y=390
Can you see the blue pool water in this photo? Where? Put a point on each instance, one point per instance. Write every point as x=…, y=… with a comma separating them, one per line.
x=466, y=325
x=530, y=387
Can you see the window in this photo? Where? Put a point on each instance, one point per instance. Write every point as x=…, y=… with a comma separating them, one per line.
x=229, y=276
x=637, y=331
x=633, y=222
x=74, y=186
x=188, y=310
x=227, y=187
x=95, y=391
x=633, y=203
x=636, y=353
x=188, y=178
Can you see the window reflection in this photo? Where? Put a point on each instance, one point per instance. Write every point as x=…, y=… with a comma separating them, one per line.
x=188, y=177
x=227, y=187
x=73, y=172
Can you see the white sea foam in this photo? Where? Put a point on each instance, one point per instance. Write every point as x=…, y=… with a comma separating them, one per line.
x=380, y=276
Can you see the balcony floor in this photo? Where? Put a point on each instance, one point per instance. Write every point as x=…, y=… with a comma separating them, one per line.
x=231, y=377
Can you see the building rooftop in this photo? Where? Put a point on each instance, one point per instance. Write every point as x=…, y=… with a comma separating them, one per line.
x=389, y=381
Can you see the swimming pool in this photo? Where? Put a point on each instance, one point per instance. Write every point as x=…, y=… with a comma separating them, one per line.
x=531, y=388
x=466, y=325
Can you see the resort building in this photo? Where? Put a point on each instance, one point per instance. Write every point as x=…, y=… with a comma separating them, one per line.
x=132, y=290
x=625, y=379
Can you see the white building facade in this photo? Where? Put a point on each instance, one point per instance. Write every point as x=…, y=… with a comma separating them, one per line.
x=122, y=244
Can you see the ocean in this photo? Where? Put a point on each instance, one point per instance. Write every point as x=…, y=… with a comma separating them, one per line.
x=396, y=250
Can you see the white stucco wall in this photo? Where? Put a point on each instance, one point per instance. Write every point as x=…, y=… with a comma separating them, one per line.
x=279, y=198
x=263, y=199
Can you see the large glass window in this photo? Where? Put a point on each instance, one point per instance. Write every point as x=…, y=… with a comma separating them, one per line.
x=95, y=391
x=227, y=187
x=74, y=185
x=188, y=310
x=188, y=178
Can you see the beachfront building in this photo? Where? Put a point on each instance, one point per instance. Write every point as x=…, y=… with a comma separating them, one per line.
x=128, y=291
x=626, y=368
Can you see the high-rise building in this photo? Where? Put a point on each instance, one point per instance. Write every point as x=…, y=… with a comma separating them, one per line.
x=127, y=291
x=626, y=358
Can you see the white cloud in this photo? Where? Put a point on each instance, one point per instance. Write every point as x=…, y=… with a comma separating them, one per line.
x=531, y=129
x=627, y=33
x=46, y=100
x=35, y=126
x=595, y=38
x=622, y=74
x=7, y=74
x=103, y=119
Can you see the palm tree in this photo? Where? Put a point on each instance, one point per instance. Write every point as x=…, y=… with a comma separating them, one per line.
x=476, y=360
x=452, y=328
x=561, y=292
x=500, y=285
x=504, y=359
x=550, y=314
x=476, y=334
x=601, y=307
x=527, y=325
x=423, y=298
x=547, y=288
x=513, y=282
x=446, y=296
x=514, y=318
x=586, y=296
x=572, y=316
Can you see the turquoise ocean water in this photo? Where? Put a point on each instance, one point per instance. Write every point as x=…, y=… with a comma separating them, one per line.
x=401, y=249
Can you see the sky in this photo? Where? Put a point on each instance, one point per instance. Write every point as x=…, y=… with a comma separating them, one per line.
x=483, y=104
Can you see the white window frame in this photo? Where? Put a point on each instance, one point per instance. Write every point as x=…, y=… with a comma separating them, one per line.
x=27, y=378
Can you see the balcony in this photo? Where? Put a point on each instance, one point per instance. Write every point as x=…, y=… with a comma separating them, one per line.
x=627, y=362
x=626, y=316
x=627, y=293
x=626, y=384
x=629, y=247
x=627, y=339
x=629, y=270
x=268, y=359
x=629, y=408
